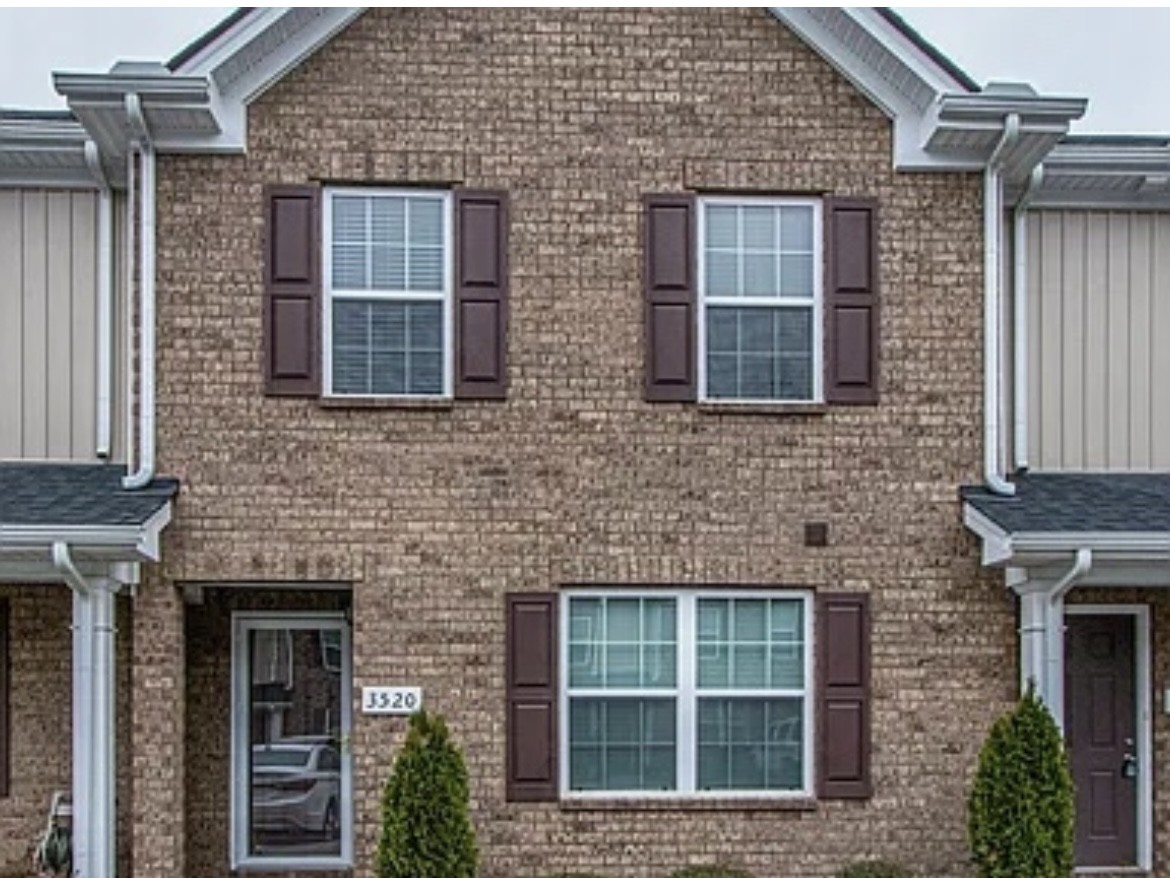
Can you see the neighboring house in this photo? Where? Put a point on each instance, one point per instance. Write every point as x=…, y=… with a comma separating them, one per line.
x=609, y=375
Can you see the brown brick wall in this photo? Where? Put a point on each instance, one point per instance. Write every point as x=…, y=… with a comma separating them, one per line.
x=41, y=680
x=434, y=514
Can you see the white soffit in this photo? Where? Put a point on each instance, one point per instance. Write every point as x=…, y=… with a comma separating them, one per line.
x=1127, y=173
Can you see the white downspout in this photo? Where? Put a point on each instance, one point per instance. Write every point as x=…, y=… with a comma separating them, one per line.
x=992, y=330
x=128, y=283
x=83, y=697
x=1020, y=319
x=105, y=299
x=1054, y=670
x=146, y=352
x=94, y=724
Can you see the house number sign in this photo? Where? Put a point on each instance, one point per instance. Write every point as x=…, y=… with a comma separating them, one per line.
x=391, y=700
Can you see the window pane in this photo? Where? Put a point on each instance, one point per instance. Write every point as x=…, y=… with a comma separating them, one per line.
x=585, y=639
x=759, y=228
x=760, y=353
x=388, y=263
x=622, y=643
x=350, y=223
x=722, y=227
x=387, y=348
x=796, y=229
x=722, y=274
x=750, y=744
x=750, y=643
x=622, y=744
x=294, y=722
x=759, y=274
x=349, y=267
x=388, y=217
x=796, y=276
x=426, y=222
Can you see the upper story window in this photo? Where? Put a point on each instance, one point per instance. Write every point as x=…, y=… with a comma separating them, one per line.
x=388, y=281
x=760, y=292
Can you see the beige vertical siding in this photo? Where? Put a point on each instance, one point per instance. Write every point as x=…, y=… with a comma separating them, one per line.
x=48, y=325
x=1099, y=315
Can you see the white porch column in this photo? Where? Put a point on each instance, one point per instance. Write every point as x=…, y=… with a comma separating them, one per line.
x=83, y=694
x=94, y=819
x=1034, y=633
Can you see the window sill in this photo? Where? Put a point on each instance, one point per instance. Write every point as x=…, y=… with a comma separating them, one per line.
x=787, y=409
x=801, y=804
x=370, y=402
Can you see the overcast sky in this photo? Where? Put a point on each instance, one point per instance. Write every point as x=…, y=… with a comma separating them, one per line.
x=1118, y=58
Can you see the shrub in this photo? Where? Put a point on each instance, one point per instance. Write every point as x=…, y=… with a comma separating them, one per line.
x=710, y=872
x=875, y=869
x=426, y=825
x=1021, y=809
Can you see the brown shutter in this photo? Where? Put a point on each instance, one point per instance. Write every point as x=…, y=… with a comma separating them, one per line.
x=532, y=697
x=843, y=691
x=669, y=285
x=481, y=295
x=292, y=291
x=5, y=716
x=852, y=320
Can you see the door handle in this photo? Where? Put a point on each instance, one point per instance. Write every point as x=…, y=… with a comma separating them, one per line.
x=1129, y=767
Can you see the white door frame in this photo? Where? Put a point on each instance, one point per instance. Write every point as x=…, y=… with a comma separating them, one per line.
x=1144, y=725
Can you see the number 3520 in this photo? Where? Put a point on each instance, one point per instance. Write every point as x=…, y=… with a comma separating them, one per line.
x=391, y=699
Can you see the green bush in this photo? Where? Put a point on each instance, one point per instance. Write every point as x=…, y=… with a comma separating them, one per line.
x=710, y=872
x=875, y=869
x=426, y=825
x=1021, y=809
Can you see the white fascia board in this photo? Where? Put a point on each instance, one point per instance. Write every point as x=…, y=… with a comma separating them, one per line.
x=1032, y=548
x=897, y=43
x=292, y=51
x=114, y=87
x=128, y=542
x=211, y=56
x=997, y=550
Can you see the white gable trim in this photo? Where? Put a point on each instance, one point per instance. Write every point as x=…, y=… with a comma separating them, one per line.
x=901, y=77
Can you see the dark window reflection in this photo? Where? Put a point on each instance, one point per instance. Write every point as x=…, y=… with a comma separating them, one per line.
x=295, y=739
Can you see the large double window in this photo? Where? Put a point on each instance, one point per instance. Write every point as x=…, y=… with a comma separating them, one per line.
x=686, y=693
x=388, y=284
x=760, y=279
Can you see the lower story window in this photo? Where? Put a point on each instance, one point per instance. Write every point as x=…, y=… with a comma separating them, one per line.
x=687, y=693
x=291, y=777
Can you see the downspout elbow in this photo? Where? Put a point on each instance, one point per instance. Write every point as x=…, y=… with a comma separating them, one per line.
x=63, y=563
x=992, y=227
x=1082, y=564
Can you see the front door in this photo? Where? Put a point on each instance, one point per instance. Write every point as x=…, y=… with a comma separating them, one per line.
x=1101, y=731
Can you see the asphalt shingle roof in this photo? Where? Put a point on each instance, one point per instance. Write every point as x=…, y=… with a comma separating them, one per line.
x=1079, y=503
x=73, y=495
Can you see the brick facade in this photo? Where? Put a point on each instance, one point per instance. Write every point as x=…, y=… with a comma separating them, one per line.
x=433, y=513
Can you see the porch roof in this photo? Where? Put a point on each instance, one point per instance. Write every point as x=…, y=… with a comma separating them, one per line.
x=1079, y=502
x=47, y=507
x=1119, y=517
x=73, y=495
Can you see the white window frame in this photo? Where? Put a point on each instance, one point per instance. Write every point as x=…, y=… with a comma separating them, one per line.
x=770, y=302
x=445, y=296
x=243, y=623
x=686, y=693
